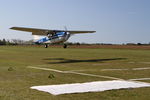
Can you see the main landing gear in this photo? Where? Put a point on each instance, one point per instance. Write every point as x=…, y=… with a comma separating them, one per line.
x=65, y=46
x=46, y=45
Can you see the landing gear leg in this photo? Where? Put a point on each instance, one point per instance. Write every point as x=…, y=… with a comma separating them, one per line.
x=46, y=46
x=65, y=46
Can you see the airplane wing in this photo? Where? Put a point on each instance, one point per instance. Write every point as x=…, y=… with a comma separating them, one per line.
x=80, y=32
x=36, y=31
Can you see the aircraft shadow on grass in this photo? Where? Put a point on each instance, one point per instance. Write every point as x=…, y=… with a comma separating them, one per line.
x=64, y=60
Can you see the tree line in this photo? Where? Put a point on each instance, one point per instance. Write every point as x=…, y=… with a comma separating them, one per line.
x=15, y=42
x=30, y=42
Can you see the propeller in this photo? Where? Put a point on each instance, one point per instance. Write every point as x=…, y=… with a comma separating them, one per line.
x=65, y=29
x=66, y=33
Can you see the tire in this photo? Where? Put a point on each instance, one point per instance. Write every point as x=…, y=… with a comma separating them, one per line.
x=65, y=46
x=46, y=46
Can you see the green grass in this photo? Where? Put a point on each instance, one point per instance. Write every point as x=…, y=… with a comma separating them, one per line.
x=15, y=83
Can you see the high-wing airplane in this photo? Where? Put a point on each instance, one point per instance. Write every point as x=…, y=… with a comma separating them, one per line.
x=52, y=36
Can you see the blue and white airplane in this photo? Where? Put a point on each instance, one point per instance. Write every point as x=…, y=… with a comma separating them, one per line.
x=52, y=36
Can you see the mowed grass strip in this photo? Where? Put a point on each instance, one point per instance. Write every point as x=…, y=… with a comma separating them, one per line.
x=16, y=79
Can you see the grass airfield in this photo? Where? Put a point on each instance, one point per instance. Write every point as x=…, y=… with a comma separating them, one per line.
x=16, y=77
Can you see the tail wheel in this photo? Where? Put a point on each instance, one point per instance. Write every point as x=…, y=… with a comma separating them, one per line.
x=65, y=45
x=46, y=46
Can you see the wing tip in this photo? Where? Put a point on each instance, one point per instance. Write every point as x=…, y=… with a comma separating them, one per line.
x=93, y=31
x=12, y=28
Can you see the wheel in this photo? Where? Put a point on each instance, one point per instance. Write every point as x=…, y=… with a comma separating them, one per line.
x=46, y=45
x=65, y=45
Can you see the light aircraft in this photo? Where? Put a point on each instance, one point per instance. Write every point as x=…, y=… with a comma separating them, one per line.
x=52, y=36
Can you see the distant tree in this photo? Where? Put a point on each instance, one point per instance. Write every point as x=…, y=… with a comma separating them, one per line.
x=77, y=43
x=4, y=42
x=139, y=43
x=130, y=44
x=29, y=42
x=1, y=42
x=17, y=41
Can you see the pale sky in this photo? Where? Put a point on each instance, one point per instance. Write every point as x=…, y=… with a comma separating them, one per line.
x=116, y=21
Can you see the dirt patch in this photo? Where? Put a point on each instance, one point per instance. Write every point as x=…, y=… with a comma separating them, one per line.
x=113, y=46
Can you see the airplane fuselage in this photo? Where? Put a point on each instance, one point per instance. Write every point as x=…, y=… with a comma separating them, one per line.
x=58, y=37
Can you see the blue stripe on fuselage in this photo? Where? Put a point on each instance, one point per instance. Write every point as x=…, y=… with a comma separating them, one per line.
x=42, y=40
